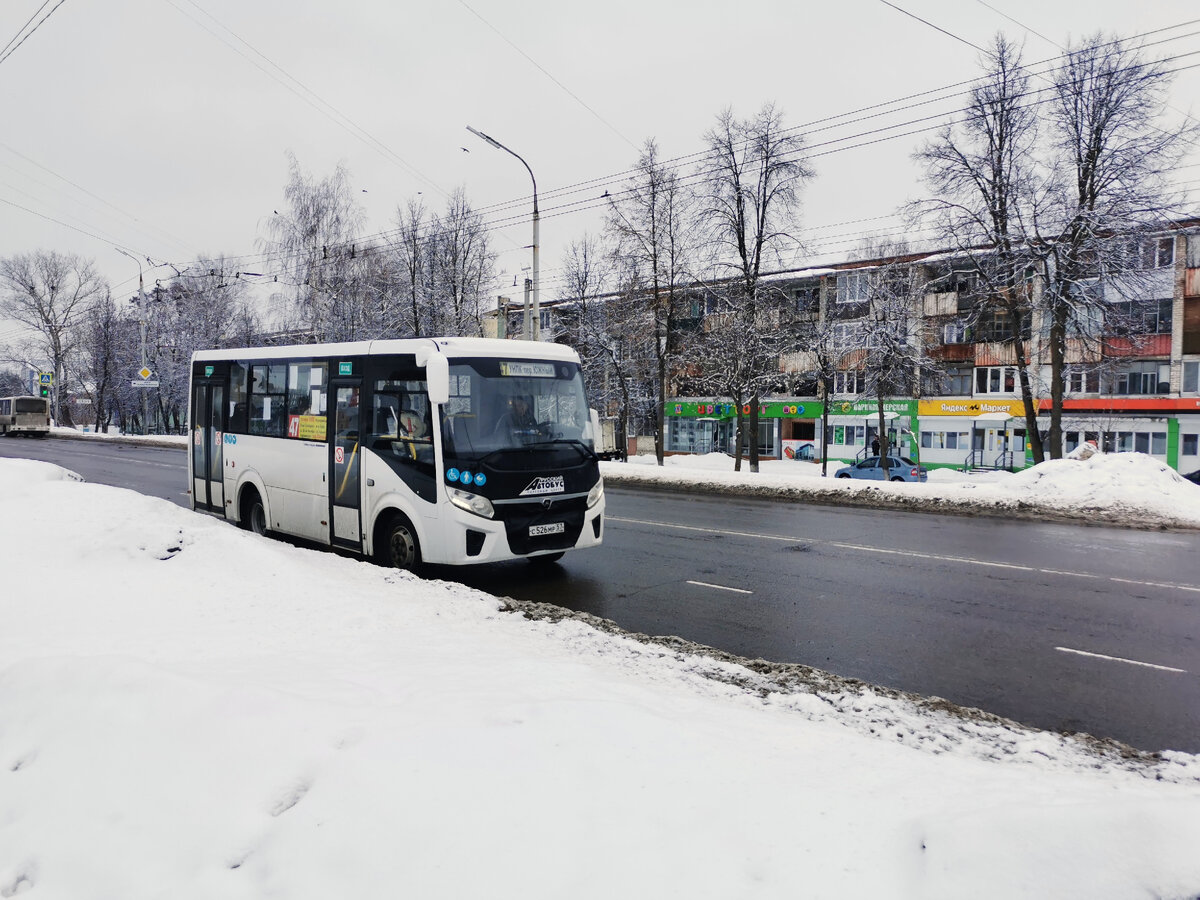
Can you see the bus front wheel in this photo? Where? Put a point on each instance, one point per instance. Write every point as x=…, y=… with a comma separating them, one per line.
x=399, y=548
x=254, y=514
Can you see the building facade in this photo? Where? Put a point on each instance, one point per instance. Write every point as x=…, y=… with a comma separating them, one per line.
x=1133, y=388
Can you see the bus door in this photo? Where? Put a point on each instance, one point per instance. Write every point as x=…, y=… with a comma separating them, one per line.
x=345, y=463
x=208, y=437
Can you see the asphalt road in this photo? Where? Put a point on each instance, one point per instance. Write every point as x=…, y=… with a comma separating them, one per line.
x=1065, y=627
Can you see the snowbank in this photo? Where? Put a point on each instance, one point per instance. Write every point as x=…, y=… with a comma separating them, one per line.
x=187, y=710
x=1130, y=489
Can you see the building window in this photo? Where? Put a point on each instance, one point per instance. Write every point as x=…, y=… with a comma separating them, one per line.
x=1142, y=316
x=954, y=382
x=1191, y=377
x=1143, y=378
x=1190, y=444
x=849, y=335
x=995, y=380
x=807, y=299
x=1083, y=382
x=853, y=287
x=996, y=325
x=956, y=333
x=846, y=382
x=1156, y=253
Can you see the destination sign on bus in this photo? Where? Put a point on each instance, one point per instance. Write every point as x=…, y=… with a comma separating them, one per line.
x=512, y=369
x=308, y=428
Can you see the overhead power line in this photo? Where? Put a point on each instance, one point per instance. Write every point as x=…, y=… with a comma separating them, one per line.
x=10, y=48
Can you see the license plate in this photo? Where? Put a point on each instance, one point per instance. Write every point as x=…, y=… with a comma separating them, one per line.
x=549, y=528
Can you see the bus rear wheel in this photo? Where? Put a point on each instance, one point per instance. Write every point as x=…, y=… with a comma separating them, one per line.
x=399, y=548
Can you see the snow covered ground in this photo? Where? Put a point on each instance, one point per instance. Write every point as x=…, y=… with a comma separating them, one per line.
x=1119, y=488
x=191, y=711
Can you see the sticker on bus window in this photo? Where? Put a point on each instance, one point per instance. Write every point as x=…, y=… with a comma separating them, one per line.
x=513, y=369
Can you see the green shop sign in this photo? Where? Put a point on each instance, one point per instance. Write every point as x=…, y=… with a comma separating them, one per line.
x=871, y=407
x=774, y=409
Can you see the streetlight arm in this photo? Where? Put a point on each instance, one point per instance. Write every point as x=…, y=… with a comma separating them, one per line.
x=532, y=322
x=499, y=146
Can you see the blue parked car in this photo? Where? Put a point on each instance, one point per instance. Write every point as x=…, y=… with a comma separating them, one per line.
x=900, y=468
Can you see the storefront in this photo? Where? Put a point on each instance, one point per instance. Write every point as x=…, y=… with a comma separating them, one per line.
x=787, y=428
x=972, y=433
x=854, y=427
x=1168, y=430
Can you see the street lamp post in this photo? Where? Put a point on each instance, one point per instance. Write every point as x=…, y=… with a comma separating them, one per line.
x=142, y=323
x=532, y=323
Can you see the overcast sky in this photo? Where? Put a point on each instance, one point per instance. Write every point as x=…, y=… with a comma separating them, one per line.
x=162, y=125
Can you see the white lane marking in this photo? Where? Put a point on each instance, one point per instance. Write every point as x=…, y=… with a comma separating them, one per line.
x=914, y=554
x=1132, y=662
x=720, y=587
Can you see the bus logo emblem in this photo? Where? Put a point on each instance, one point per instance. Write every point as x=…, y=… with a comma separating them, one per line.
x=554, y=484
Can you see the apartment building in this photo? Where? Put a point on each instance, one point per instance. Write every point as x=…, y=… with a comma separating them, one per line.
x=1133, y=388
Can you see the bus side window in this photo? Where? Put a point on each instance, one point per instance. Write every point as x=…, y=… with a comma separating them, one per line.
x=237, y=398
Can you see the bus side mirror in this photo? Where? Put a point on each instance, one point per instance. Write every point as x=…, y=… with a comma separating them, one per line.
x=437, y=373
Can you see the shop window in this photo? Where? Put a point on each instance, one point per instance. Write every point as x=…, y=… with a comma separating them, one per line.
x=1191, y=444
x=1158, y=443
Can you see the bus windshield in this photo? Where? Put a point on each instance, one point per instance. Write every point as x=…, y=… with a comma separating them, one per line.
x=512, y=404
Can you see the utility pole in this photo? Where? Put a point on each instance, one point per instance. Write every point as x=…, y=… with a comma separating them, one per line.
x=141, y=305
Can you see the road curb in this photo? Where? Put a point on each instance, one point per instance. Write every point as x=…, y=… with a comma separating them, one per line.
x=158, y=443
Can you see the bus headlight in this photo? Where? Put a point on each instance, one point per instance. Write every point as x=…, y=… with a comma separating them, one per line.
x=596, y=494
x=472, y=503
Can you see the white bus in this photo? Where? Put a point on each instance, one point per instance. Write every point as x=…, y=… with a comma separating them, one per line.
x=26, y=416
x=444, y=451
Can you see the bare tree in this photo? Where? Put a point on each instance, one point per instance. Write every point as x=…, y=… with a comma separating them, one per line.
x=652, y=221
x=1113, y=162
x=412, y=268
x=753, y=176
x=600, y=323
x=821, y=355
x=895, y=359
x=50, y=293
x=461, y=263
x=312, y=240
x=983, y=173
x=201, y=308
x=101, y=361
